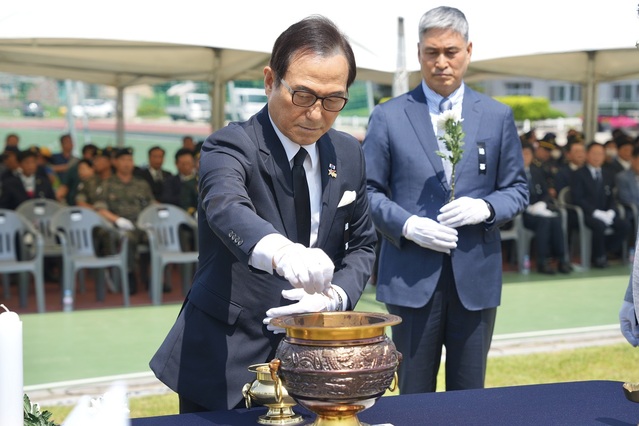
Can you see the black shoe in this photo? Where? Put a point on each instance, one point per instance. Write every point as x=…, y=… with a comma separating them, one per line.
x=545, y=268
x=565, y=267
x=133, y=284
x=600, y=263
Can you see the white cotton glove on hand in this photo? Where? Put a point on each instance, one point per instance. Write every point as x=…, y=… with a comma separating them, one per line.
x=124, y=224
x=463, y=211
x=317, y=302
x=603, y=216
x=307, y=268
x=628, y=323
x=430, y=234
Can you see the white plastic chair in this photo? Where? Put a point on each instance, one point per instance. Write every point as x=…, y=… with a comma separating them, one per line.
x=21, y=251
x=162, y=224
x=585, y=234
x=39, y=212
x=521, y=237
x=74, y=227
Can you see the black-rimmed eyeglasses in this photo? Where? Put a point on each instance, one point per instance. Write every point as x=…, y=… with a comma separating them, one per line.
x=302, y=98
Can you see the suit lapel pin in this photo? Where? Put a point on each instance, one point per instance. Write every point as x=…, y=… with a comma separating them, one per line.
x=332, y=172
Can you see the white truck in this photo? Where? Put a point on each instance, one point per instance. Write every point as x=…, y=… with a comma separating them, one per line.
x=244, y=102
x=189, y=107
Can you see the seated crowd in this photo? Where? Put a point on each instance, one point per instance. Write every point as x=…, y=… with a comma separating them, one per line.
x=601, y=179
x=104, y=179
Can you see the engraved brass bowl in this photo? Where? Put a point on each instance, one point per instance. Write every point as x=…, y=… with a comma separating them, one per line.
x=336, y=364
x=261, y=391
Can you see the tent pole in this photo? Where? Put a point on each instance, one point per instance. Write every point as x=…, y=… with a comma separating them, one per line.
x=590, y=100
x=119, y=114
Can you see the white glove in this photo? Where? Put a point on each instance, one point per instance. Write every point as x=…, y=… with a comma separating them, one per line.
x=317, y=302
x=124, y=224
x=307, y=268
x=603, y=216
x=463, y=211
x=628, y=323
x=536, y=208
x=430, y=234
x=611, y=216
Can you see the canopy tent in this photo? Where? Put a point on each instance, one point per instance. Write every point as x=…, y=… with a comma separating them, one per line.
x=128, y=42
x=588, y=68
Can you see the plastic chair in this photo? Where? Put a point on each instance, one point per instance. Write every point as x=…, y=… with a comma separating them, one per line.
x=74, y=226
x=39, y=212
x=21, y=251
x=162, y=224
x=585, y=234
x=522, y=238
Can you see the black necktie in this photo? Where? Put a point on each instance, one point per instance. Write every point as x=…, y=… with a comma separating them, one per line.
x=445, y=105
x=302, y=199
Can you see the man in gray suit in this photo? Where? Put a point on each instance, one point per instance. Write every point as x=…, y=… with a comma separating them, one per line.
x=440, y=264
x=259, y=259
x=627, y=182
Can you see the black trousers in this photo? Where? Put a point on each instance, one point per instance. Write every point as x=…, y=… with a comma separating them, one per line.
x=549, y=236
x=602, y=243
x=444, y=321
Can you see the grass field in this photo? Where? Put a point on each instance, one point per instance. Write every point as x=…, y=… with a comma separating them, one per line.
x=62, y=346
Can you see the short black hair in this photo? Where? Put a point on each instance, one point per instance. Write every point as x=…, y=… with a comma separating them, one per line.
x=183, y=151
x=317, y=35
x=89, y=148
x=155, y=148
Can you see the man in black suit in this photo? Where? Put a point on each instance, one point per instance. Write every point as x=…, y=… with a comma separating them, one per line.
x=593, y=191
x=263, y=253
x=154, y=174
x=181, y=189
x=26, y=183
x=542, y=217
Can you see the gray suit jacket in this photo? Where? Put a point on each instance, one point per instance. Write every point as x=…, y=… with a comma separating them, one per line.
x=405, y=177
x=627, y=188
x=246, y=193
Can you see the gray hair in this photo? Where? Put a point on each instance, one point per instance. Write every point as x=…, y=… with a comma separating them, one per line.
x=444, y=17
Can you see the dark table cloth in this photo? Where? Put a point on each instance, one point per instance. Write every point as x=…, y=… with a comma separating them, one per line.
x=572, y=403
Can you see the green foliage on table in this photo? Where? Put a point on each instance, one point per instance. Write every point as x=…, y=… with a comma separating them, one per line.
x=34, y=417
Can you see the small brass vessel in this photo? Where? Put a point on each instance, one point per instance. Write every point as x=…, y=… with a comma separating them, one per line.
x=261, y=391
x=336, y=364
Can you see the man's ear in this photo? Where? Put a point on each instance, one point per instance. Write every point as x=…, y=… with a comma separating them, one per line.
x=269, y=80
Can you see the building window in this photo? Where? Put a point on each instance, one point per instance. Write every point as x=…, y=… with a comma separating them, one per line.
x=557, y=93
x=575, y=92
x=519, y=89
x=622, y=92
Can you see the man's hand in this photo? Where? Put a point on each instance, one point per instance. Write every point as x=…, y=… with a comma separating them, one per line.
x=430, y=234
x=464, y=211
x=307, y=268
x=628, y=323
x=124, y=224
x=317, y=302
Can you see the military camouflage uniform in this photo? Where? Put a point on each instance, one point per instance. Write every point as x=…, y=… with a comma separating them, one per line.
x=126, y=199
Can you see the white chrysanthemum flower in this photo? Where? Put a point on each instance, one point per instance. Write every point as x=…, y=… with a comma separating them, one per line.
x=445, y=116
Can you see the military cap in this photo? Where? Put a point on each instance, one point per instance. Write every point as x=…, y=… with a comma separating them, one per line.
x=123, y=151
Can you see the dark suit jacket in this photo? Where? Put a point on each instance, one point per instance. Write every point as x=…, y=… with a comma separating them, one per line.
x=406, y=177
x=246, y=193
x=14, y=193
x=156, y=187
x=538, y=187
x=586, y=194
x=563, y=178
x=182, y=194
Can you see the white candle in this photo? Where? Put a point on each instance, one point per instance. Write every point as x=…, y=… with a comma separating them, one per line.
x=11, y=385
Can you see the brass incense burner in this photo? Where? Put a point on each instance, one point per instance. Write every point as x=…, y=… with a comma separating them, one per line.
x=261, y=391
x=336, y=364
